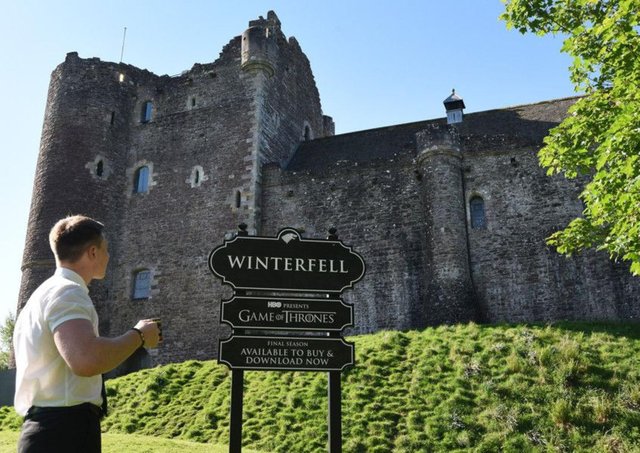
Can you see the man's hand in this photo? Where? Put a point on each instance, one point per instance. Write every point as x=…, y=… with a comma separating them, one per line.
x=151, y=331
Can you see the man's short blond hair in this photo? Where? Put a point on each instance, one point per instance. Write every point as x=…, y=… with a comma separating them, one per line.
x=71, y=236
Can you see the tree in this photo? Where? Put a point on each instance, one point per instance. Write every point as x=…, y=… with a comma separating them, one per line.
x=600, y=138
x=6, y=335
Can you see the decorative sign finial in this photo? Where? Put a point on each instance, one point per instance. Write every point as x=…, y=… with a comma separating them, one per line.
x=242, y=229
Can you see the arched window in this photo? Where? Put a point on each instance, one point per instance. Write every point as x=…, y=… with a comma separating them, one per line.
x=476, y=209
x=238, y=199
x=147, y=111
x=307, y=133
x=196, y=177
x=141, y=180
x=142, y=284
x=100, y=169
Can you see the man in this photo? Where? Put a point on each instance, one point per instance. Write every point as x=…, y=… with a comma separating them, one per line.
x=59, y=354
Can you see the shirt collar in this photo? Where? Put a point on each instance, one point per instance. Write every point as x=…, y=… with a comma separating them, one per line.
x=71, y=275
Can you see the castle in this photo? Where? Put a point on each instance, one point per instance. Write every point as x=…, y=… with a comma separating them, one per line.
x=450, y=215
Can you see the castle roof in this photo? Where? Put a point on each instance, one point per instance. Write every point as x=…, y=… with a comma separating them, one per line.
x=517, y=126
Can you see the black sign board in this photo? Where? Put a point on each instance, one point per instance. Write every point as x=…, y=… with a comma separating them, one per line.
x=286, y=353
x=266, y=266
x=282, y=313
x=286, y=263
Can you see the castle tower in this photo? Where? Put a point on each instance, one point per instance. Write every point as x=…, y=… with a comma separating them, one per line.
x=287, y=103
x=259, y=52
x=84, y=137
x=449, y=287
x=259, y=47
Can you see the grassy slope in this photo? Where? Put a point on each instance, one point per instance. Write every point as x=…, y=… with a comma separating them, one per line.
x=568, y=387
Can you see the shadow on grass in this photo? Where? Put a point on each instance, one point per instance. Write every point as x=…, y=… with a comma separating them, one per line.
x=117, y=443
x=629, y=330
x=617, y=329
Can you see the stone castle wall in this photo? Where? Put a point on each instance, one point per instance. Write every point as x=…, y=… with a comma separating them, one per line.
x=523, y=207
x=408, y=214
x=376, y=210
x=171, y=228
x=244, y=139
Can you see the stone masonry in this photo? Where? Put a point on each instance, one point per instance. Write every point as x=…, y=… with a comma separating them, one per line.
x=244, y=139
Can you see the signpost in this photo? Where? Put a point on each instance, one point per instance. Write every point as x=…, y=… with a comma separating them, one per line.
x=286, y=263
x=318, y=269
x=282, y=313
x=286, y=353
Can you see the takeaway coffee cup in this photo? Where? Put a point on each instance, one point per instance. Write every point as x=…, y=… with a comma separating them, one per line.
x=158, y=321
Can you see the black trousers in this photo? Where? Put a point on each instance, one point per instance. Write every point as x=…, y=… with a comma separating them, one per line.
x=74, y=429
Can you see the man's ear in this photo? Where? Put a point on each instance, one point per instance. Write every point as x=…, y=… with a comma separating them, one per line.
x=91, y=251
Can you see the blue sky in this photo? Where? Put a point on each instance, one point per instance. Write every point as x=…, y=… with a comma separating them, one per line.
x=376, y=63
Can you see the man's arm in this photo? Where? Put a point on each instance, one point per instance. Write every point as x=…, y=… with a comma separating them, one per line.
x=88, y=355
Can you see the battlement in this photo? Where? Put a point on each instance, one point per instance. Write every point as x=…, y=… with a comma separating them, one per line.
x=436, y=137
x=271, y=22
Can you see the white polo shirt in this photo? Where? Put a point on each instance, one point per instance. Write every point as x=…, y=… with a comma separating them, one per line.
x=42, y=376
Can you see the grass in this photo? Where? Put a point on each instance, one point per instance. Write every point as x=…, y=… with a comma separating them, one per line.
x=118, y=443
x=525, y=388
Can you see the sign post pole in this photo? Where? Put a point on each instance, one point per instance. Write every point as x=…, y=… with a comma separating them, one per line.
x=335, y=394
x=235, y=430
x=335, y=412
x=237, y=394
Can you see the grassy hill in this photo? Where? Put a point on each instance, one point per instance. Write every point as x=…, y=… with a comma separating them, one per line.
x=565, y=387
